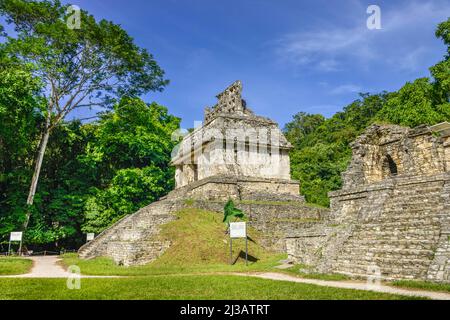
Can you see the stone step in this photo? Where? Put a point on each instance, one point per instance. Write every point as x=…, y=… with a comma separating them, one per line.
x=142, y=226
x=356, y=246
x=388, y=273
x=136, y=252
x=382, y=252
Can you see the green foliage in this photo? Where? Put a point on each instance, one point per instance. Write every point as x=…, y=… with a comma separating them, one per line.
x=46, y=71
x=92, y=65
x=93, y=174
x=413, y=105
x=130, y=154
x=20, y=121
x=230, y=212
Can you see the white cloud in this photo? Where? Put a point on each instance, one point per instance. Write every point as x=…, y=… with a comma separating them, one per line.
x=399, y=43
x=346, y=88
x=322, y=48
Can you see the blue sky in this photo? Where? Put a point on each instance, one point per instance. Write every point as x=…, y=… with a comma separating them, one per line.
x=313, y=56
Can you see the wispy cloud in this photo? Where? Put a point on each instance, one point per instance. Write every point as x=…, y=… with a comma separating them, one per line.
x=323, y=48
x=346, y=88
x=333, y=47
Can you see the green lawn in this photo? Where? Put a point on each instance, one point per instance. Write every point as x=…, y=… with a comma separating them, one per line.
x=423, y=285
x=14, y=266
x=211, y=287
x=106, y=267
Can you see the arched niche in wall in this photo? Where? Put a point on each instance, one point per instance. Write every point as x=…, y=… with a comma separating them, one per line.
x=389, y=168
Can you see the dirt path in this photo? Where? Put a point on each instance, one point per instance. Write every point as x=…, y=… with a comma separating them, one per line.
x=49, y=267
x=352, y=285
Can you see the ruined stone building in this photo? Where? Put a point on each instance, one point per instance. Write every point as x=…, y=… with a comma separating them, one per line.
x=392, y=216
x=234, y=155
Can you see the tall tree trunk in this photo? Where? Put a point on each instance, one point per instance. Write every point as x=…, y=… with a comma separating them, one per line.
x=37, y=170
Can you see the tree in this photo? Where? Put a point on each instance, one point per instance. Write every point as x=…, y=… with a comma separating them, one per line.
x=87, y=67
x=441, y=71
x=131, y=154
x=230, y=212
x=301, y=126
x=414, y=104
x=425, y=100
x=20, y=120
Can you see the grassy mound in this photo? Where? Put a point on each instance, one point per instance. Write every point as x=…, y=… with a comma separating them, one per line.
x=198, y=238
x=13, y=266
x=199, y=245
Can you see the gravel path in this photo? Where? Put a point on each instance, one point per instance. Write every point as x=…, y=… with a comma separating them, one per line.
x=49, y=267
x=353, y=285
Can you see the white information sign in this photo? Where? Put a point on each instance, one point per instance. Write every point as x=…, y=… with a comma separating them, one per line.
x=15, y=236
x=238, y=230
x=90, y=236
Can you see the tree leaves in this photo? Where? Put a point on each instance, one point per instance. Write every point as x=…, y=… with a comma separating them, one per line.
x=231, y=213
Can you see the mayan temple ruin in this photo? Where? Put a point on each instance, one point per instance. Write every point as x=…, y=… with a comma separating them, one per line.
x=234, y=155
x=391, y=219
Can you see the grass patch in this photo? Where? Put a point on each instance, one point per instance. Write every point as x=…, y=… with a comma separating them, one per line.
x=295, y=270
x=211, y=287
x=14, y=266
x=199, y=245
x=423, y=285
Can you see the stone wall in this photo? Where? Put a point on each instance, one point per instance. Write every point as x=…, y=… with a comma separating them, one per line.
x=241, y=188
x=275, y=219
x=392, y=214
x=134, y=239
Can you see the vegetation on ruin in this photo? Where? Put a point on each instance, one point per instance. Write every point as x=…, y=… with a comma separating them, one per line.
x=14, y=266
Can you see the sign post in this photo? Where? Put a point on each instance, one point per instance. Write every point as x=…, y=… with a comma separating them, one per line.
x=14, y=237
x=90, y=237
x=238, y=230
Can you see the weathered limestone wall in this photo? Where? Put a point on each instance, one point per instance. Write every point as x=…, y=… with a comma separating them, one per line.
x=275, y=219
x=244, y=188
x=134, y=240
x=392, y=214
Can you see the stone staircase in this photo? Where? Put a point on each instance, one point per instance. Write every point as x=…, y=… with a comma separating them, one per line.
x=134, y=239
x=402, y=239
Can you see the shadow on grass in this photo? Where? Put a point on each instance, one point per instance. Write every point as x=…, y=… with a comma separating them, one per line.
x=241, y=255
